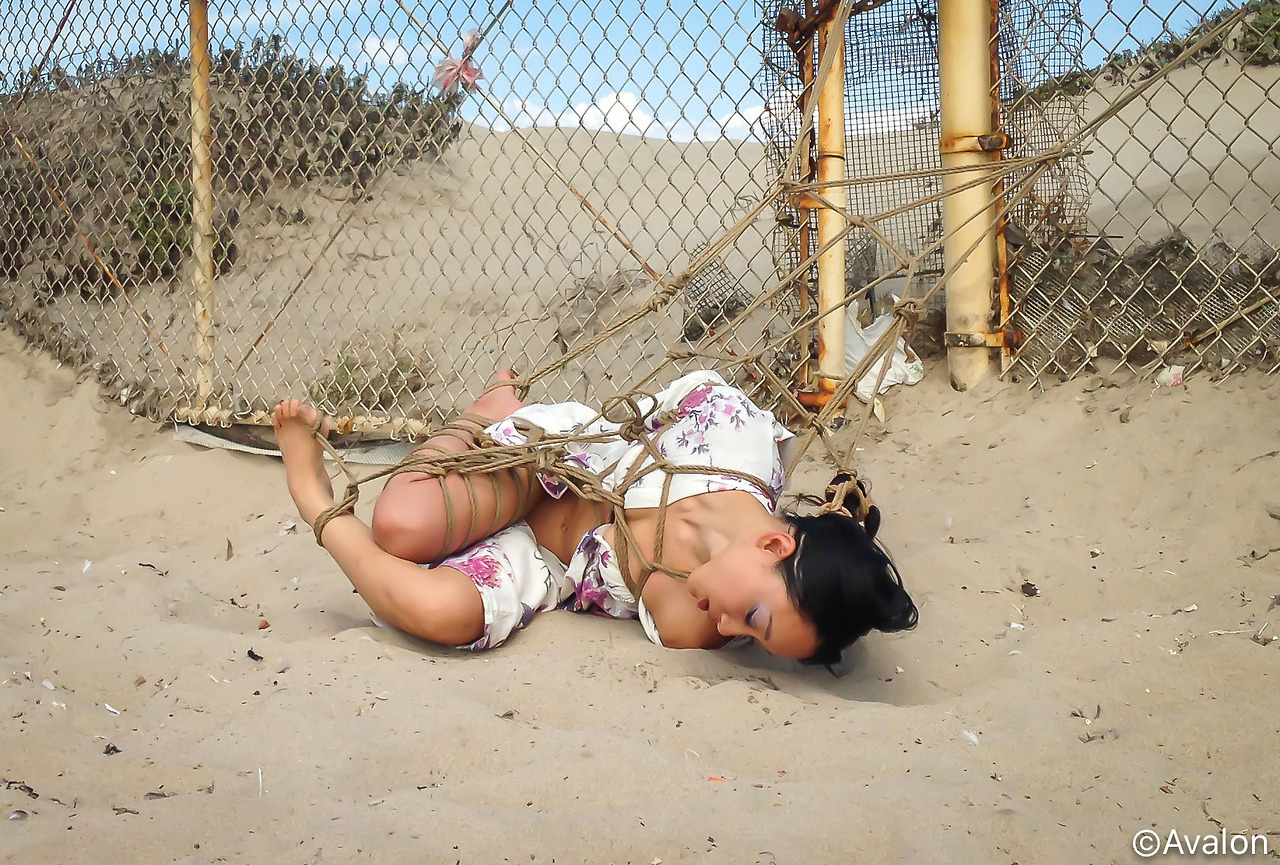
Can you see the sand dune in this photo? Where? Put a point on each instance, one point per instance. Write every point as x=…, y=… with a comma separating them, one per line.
x=1194, y=154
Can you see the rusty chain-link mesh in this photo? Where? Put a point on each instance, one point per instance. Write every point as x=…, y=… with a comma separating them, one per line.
x=891, y=126
x=409, y=195
x=1153, y=240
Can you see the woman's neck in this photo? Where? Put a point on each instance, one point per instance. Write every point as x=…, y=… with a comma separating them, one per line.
x=702, y=526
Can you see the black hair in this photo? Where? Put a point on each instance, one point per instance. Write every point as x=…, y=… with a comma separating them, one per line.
x=844, y=582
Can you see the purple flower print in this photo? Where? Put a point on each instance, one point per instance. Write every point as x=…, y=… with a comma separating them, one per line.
x=483, y=569
x=483, y=642
x=593, y=593
x=527, y=615
x=696, y=397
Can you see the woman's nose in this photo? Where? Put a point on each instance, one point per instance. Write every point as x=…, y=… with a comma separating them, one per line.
x=728, y=627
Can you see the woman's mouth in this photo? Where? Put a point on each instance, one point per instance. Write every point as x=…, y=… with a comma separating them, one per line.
x=704, y=605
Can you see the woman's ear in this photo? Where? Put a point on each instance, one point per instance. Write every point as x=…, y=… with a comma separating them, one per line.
x=781, y=544
x=872, y=522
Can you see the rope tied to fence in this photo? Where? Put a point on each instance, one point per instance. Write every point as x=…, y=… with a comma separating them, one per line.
x=908, y=312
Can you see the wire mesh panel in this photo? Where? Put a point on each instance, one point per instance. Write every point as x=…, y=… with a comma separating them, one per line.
x=96, y=205
x=407, y=196
x=1155, y=241
x=891, y=128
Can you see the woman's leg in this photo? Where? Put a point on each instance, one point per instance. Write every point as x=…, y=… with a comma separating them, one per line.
x=424, y=518
x=441, y=604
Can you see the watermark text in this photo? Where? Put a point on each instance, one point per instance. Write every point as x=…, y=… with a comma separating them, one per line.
x=1149, y=842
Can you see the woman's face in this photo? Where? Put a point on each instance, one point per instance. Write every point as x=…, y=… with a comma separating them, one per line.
x=743, y=592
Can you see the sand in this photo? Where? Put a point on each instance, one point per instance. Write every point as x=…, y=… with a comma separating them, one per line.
x=1122, y=689
x=140, y=573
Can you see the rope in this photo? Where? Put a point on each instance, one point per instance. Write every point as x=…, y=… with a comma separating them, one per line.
x=545, y=454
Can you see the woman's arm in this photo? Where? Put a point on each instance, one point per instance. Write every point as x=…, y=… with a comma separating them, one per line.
x=680, y=624
x=441, y=604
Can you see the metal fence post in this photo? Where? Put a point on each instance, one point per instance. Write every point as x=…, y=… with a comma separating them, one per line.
x=201, y=202
x=968, y=139
x=831, y=220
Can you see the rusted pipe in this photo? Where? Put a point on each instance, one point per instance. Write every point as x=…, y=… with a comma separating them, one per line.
x=354, y=425
x=1005, y=305
x=969, y=216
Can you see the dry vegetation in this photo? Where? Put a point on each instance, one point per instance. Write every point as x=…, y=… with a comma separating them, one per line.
x=114, y=143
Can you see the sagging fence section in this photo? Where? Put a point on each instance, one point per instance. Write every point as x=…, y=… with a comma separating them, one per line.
x=399, y=197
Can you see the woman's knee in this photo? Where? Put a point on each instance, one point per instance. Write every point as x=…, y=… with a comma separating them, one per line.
x=405, y=526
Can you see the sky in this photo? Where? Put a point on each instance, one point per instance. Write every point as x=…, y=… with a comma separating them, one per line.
x=673, y=69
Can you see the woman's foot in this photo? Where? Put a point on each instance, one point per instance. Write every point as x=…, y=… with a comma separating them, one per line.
x=309, y=484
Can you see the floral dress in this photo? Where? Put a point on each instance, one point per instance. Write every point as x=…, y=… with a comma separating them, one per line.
x=699, y=421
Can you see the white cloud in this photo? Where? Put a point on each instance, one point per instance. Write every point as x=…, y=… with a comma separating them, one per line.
x=623, y=113
x=741, y=124
x=616, y=112
x=384, y=51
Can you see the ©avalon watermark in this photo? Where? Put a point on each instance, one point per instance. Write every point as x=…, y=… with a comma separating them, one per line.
x=1149, y=842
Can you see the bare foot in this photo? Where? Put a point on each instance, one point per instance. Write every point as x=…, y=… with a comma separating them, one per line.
x=309, y=485
x=499, y=402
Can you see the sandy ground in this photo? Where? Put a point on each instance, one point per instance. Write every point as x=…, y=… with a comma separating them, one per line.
x=140, y=573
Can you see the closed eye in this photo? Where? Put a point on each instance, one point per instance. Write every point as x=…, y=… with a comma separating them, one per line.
x=754, y=617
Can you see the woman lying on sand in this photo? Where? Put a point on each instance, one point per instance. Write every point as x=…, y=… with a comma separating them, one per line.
x=803, y=587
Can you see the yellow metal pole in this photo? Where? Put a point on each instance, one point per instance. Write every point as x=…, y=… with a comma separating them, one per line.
x=831, y=222
x=201, y=201
x=968, y=139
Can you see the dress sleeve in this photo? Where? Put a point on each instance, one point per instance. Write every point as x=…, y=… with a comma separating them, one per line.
x=650, y=628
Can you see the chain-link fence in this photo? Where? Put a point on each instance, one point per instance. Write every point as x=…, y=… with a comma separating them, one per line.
x=1153, y=239
x=1160, y=242
x=401, y=206
x=408, y=195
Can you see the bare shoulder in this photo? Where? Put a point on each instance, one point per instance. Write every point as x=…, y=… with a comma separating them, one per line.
x=680, y=624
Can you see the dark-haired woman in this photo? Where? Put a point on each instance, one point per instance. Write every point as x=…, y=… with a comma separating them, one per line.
x=466, y=561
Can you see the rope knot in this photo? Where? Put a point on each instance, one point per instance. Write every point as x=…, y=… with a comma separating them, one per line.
x=837, y=494
x=908, y=311
x=624, y=410
x=547, y=460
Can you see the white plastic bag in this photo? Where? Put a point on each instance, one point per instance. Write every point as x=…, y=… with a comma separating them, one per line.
x=905, y=368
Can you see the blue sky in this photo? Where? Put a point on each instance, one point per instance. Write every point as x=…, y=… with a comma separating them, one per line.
x=563, y=63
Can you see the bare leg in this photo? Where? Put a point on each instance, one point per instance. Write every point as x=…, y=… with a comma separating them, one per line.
x=423, y=518
x=440, y=604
